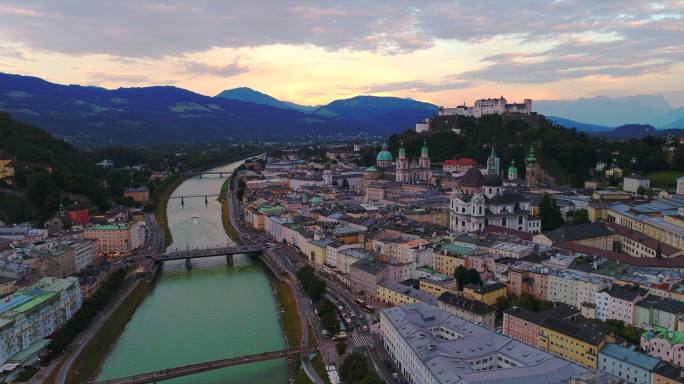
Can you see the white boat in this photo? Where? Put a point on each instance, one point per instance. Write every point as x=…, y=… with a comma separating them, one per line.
x=195, y=219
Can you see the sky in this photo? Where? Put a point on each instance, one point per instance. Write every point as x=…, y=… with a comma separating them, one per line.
x=312, y=52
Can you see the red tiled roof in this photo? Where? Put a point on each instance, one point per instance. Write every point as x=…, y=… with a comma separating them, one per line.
x=643, y=239
x=673, y=262
x=461, y=161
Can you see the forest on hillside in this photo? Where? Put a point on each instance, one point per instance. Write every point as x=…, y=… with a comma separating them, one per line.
x=568, y=154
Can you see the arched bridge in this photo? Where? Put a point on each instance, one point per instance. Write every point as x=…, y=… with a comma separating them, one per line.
x=191, y=369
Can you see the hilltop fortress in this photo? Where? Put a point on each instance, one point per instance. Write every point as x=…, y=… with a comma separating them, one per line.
x=448, y=117
x=488, y=107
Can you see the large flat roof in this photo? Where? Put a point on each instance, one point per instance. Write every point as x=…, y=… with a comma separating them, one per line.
x=454, y=361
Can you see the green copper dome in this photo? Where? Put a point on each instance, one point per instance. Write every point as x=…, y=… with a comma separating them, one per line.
x=512, y=168
x=384, y=155
x=531, y=158
x=371, y=169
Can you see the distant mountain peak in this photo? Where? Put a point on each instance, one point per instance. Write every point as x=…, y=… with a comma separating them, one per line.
x=253, y=96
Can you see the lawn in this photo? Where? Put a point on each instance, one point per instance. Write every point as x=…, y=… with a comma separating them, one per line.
x=319, y=366
x=664, y=179
x=300, y=377
x=289, y=314
x=88, y=361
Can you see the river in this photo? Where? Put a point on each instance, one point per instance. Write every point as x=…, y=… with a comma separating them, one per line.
x=210, y=312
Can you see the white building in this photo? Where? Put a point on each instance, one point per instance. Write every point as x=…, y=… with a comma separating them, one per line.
x=618, y=303
x=431, y=346
x=85, y=252
x=31, y=314
x=489, y=107
x=633, y=182
x=479, y=202
x=574, y=288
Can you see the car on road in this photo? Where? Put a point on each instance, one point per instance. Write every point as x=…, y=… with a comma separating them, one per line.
x=371, y=347
x=364, y=328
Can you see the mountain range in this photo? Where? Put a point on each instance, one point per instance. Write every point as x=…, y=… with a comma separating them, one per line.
x=165, y=114
x=612, y=112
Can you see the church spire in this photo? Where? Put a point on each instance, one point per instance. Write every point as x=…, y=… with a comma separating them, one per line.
x=402, y=151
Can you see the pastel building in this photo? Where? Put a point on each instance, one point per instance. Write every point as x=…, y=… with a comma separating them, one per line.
x=33, y=313
x=664, y=344
x=659, y=311
x=618, y=303
x=117, y=238
x=627, y=363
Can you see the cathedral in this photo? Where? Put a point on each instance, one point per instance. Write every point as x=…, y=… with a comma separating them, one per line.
x=413, y=172
x=402, y=170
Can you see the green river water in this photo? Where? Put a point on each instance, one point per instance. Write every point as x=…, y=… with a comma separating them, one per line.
x=210, y=312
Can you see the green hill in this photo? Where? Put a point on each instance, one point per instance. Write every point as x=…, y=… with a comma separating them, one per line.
x=46, y=168
x=568, y=154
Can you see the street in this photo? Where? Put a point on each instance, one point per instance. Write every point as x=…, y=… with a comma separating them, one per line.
x=367, y=341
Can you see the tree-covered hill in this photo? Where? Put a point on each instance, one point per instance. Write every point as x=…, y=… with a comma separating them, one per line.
x=45, y=168
x=567, y=154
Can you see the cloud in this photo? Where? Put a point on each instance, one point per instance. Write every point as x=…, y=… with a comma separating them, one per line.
x=113, y=77
x=231, y=69
x=588, y=37
x=416, y=85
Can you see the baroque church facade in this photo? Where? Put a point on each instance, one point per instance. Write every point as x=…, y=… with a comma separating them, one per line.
x=483, y=200
x=402, y=170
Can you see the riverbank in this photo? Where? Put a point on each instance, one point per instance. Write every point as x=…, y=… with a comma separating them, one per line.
x=162, y=202
x=289, y=316
x=93, y=354
x=228, y=226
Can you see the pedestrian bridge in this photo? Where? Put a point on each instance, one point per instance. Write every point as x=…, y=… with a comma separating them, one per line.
x=191, y=369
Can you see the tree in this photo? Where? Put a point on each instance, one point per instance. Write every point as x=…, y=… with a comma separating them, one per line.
x=580, y=216
x=353, y=368
x=550, y=213
x=371, y=378
x=42, y=192
x=341, y=347
x=316, y=288
x=465, y=276
x=502, y=303
x=460, y=274
x=641, y=191
x=305, y=274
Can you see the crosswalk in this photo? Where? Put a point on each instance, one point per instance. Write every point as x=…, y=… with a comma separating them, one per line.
x=361, y=340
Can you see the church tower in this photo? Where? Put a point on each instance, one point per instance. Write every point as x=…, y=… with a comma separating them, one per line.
x=424, y=163
x=532, y=170
x=512, y=171
x=493, y=163
x=402, y=166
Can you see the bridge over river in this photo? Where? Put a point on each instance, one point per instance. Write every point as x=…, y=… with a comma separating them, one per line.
x=198, y=253
x=191, y=369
